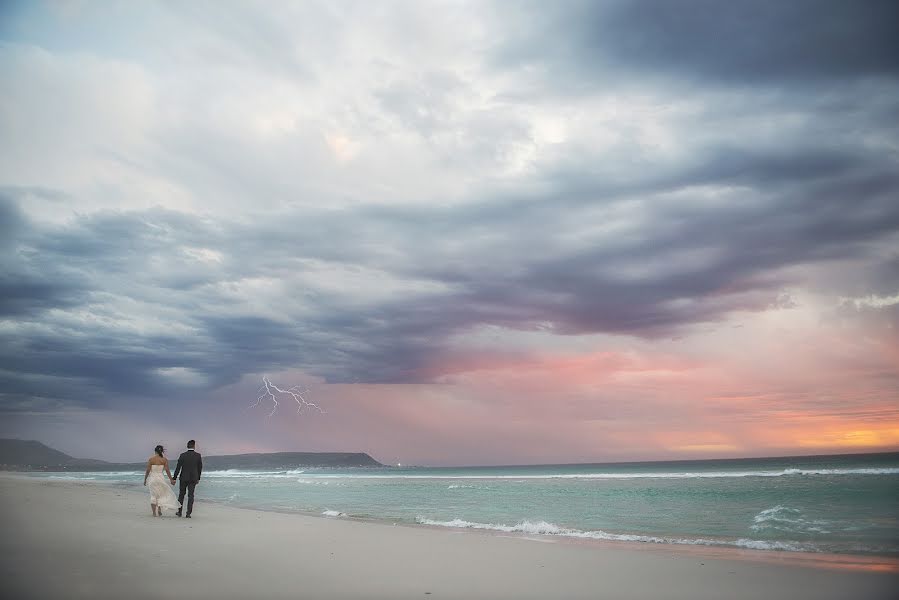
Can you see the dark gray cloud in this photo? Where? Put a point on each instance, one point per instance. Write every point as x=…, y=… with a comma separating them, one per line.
x=28, y=284
x=764, y=42
x=503, y=261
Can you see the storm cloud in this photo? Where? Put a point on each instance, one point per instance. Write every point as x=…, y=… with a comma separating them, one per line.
x=703, y=41
x=354, y=197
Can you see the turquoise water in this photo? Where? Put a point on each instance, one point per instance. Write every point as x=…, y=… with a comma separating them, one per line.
x=839, y=504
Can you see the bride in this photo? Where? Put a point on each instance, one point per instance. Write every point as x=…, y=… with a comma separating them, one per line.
x=161, y=494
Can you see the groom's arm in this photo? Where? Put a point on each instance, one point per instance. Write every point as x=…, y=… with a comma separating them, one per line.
x=177, y=468
x=199, y=467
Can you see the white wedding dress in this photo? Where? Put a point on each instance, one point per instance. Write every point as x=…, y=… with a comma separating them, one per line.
x=161, y=493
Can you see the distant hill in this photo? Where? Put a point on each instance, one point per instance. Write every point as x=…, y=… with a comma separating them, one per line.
x=32, y=454
x=19, y=455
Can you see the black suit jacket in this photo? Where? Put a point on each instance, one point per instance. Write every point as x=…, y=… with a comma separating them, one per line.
x=190, y=466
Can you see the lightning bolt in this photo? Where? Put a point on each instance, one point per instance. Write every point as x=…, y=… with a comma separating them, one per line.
x=270, y=390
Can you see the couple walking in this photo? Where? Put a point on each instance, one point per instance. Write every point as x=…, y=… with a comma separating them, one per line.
x=190, y=467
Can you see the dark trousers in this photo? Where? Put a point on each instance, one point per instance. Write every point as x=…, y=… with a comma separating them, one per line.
x=187, y=487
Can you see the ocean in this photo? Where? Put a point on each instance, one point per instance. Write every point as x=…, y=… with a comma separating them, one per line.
x=845, y=504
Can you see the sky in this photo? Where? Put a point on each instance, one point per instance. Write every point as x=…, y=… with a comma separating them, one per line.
x=474, y=232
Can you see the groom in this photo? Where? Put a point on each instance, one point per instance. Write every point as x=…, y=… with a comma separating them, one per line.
x=190, y=466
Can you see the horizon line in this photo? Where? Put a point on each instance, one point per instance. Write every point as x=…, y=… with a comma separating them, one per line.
x=488, y=466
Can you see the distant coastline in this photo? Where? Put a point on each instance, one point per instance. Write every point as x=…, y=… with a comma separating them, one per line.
x=31, y=455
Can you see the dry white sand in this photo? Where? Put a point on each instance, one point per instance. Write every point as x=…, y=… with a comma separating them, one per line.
x=82, y=540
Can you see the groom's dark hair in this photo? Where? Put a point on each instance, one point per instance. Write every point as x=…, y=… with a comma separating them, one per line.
x=191, y=444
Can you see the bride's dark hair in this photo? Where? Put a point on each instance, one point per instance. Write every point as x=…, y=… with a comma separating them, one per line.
x=159, y=449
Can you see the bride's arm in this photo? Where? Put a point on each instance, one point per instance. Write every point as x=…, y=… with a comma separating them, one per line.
x=167, y=472
x=147, y=473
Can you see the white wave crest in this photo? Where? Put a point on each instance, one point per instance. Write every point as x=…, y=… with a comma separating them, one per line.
x=241, y=474
x=545, y=528
x=333, y=513
x=654, y=475
x=89, y=474
x=774, y=545
x=787, y=519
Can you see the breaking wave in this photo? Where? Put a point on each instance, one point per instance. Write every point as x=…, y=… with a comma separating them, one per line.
x=654, y=475
x=790, y=520
x=240, y=473
x=544, y=528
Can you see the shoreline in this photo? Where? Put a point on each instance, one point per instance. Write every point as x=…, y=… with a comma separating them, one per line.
x=818, y=560
x=80, y=539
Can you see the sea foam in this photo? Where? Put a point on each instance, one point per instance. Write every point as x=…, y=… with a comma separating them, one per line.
x=545, y=528
x=240, y=473
x=791, y=520
x=637, y=475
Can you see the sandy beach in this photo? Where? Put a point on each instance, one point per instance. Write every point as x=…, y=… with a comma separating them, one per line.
x=81, y=540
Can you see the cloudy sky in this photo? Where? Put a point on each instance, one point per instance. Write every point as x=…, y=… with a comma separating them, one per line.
x=477, y=232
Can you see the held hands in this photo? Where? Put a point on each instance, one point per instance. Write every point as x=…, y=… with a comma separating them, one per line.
x=173, y=481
